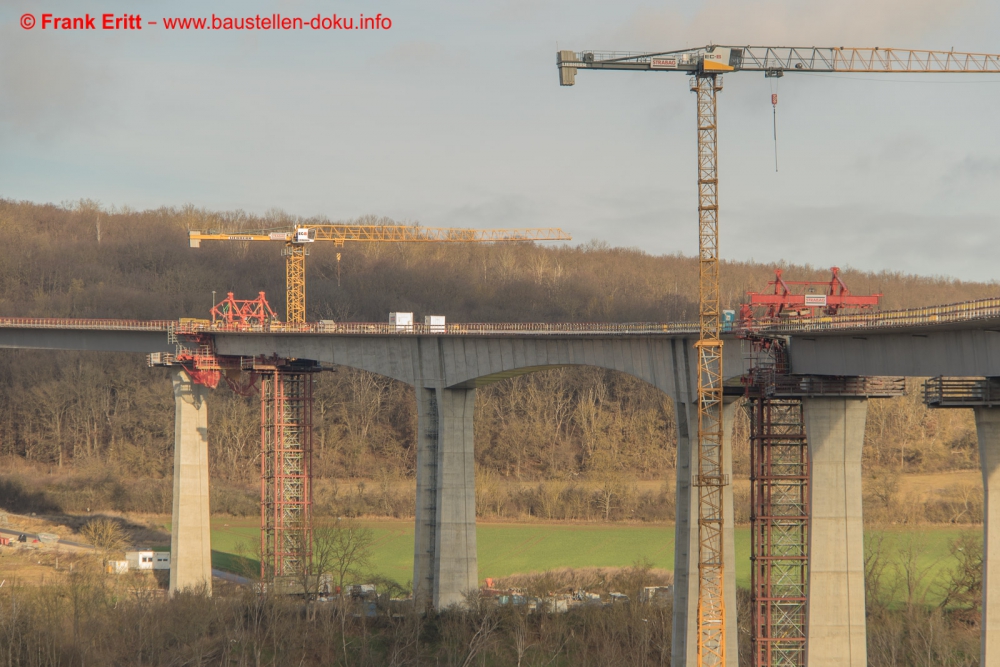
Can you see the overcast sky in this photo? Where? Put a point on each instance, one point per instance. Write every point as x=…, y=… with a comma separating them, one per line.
x=454, y=117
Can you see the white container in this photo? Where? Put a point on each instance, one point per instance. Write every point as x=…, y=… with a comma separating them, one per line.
x=434, y=323
x=140, y=560
x=401, y=321
x=161, y=560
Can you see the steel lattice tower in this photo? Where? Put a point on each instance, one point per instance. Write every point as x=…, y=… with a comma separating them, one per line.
x=779, y=495
x=286, y=473
x=710, y=479
x=295, y=281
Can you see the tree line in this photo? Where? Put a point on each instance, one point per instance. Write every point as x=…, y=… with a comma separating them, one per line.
x=107, y=419
x=80, y=616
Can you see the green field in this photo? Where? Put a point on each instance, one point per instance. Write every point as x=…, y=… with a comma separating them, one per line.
x=508, y=548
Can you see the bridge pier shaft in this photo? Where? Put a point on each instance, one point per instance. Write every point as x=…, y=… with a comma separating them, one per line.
x=445, y=564
x=835, y=611
x=684, y=651
x=190, y=533
x=988, y=432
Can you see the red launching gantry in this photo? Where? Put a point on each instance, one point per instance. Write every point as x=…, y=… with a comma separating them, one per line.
x=198, y=356
x=818, y=298
x=246, y=312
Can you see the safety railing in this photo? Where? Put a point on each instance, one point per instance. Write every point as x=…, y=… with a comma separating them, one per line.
x=463, y=329
x=95, y=324
x=818, y=385
x=942, y=392
x=955, y=312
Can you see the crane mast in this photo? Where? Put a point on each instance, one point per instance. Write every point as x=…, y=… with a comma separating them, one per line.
x=706, y=65
x=710, y=479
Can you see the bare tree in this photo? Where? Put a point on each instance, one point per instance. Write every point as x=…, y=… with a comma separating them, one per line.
x=106, y=535
x=343, y=548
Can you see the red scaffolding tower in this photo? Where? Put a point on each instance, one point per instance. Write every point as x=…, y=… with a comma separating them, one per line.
x=779, y=510
x=286, y=472
x=779, y=494
x=779, y=459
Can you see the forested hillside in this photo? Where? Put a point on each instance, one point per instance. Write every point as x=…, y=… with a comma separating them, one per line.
x=109, y=418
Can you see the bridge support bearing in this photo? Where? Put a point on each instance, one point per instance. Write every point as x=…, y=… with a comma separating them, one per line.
x=684, y=651
x=835, y=611
x=445, y=563
x=190, y=534
x=988, y=431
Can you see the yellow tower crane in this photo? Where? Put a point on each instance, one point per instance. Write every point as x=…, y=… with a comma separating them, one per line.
x=296, y=242
x=286, y=392
x=706, y=65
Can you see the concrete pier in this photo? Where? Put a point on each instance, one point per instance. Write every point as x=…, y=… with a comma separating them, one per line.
x=684, y=651
x=190, y=536
x=988, y=430
x=835, y=632
x=445, y=564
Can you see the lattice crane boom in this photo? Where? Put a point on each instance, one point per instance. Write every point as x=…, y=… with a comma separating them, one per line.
x=775, y=60
x=296, y=247
x=340, y=234
x=706, y=65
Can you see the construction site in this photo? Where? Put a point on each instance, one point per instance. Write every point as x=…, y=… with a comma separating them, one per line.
x=780, y=370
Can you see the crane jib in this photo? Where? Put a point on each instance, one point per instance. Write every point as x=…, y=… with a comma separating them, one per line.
x=777, y=59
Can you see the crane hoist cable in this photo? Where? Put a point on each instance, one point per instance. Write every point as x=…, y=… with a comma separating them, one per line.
x=706, y=65
x=774, y=78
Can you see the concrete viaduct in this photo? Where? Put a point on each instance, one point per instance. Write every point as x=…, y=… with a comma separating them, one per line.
x=446, y=368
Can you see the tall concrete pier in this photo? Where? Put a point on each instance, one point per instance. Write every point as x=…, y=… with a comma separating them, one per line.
x=190, y=535
x=988, y=431
x=835, y=617
x=445, y=563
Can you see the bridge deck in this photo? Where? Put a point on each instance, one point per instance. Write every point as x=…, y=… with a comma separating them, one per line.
x=982, y=313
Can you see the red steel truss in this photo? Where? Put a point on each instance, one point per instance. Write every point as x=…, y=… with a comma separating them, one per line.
x=286, y=473
x=240, y=312
x=779, y=494
x=818, y=298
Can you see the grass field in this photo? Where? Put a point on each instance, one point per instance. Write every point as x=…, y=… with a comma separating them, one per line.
x=508, y=548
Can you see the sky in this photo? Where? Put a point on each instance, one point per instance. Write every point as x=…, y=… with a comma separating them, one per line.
x=453, y=116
